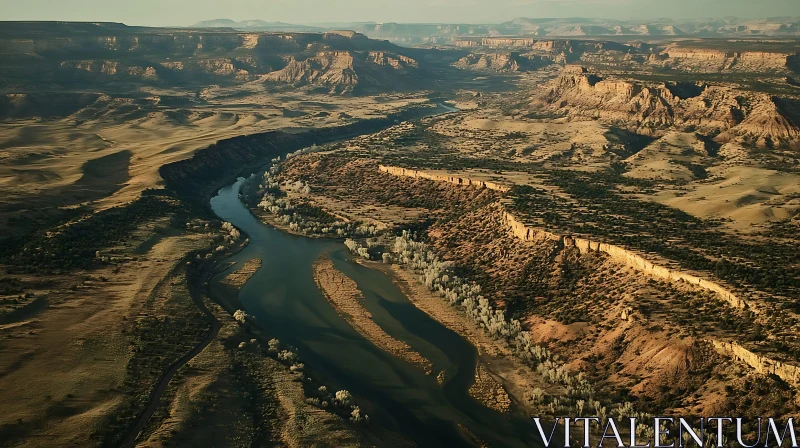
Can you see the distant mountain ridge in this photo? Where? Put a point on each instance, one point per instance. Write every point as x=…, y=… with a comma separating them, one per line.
x=428, y=33
x=253, y=25
x=438, y=33
x=58, y=54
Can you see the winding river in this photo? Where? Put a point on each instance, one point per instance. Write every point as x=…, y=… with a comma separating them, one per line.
x=286, y=302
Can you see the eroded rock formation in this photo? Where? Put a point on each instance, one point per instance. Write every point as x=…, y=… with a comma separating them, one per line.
x=761, y=364
x=457, y=180
x=499, y=62
x=712, y=60
x=619, y=254
x=622, y=256
x=343, y=71
x=653, y=108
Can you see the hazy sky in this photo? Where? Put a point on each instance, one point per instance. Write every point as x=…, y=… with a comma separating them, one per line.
x=187, y=12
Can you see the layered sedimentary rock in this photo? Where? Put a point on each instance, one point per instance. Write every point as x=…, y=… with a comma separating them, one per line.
x=761, y=364
x=212, y=67
x=92, y=54
x=347, y=34
x=499, y=62
x=326, y=68
x=343, y=71
x=525, y=233
x=653, y=108
x=705, y=59
x=618, y=254
x=767, y=125
x=620, y=101
x=507, y=41
x=467, y=43
x=397, y=62
x=622, y=256
x=457, y=180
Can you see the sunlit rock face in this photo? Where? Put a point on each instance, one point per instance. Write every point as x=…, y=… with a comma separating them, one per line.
x=653, y=108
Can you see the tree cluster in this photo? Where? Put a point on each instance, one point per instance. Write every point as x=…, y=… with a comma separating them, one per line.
x=466, y=295
x=302, y=217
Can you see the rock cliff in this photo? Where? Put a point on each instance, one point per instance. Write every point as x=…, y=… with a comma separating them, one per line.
x=525, y=42
x=500, y=62
x=344, y=71
x=761, y=364
x=622, y=256
x=618, y=254
x=443, y=177
x=330, y=69
x=83, y=54
x=771, y=123
x=712, y=60
x=654, y=108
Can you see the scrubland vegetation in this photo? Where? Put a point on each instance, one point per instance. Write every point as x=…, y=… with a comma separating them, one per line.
x=464, y=255
x=684, y=152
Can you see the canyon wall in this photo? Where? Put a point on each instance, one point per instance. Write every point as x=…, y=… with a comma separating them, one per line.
x=196, y=178
x=464, y=181
x=622, y=256
x=618, y=254
x=639, y=263
x=507, y=41
x=651, y=109
x=466, y=43
x=723, y=60
x=761, y=364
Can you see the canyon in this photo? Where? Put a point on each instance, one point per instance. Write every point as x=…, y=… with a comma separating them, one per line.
x=544, y=217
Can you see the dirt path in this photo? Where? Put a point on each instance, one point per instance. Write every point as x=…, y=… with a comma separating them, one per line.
x=155, y=397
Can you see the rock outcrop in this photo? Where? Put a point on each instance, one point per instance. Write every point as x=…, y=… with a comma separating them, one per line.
x=712, y=60
x=622, y=256
x=439, y=177
x=93, y=54
x=466, y=43
x=654, y=108
x=577, y=92
x=333, y=69
x=499, y=42
x=618, y=254
x=761, y=364
x=499, y=62
x=344, y=71
x=767, y=125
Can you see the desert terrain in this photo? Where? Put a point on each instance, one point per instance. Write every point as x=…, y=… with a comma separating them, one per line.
x=606, y=212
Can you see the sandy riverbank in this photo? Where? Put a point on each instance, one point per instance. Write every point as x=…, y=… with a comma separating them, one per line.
x=342, y=292
x=239, y=277
x=500, y=376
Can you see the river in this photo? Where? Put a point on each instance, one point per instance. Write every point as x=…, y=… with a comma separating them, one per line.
x=286, y=302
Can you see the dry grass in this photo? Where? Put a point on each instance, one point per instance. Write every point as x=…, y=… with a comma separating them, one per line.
x=64, y=366
x=111, y=157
